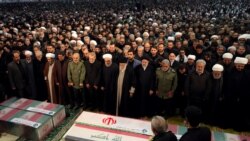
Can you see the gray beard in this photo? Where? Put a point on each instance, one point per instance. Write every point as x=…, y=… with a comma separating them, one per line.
x=108, y=65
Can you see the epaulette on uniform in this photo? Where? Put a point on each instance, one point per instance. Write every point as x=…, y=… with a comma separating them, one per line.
x=172, y=70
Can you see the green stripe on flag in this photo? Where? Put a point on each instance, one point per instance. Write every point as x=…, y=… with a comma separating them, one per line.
x=9, y=101
x=181, y=130
x=17, y=115
x=43, y=118
x=219, y=136
x=33, y=104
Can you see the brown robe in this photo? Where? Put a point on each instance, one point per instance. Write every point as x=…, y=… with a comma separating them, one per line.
x=61, y=78
x=54, y=93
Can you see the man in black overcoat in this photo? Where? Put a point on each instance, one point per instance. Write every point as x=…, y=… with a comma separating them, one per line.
x=109, y=84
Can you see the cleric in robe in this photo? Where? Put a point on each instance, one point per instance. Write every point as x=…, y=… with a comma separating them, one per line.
x=31, y=85
x=217, y=96
x=109, y=76
x=49, y=77
x=145, y=80
x=238, y=93
x=125, y=88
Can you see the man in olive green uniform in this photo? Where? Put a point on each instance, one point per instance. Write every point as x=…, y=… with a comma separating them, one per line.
x=166, y=82
x=76, y=75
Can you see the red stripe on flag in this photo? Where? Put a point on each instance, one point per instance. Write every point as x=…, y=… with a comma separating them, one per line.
x=25, y=104
x=50, y=106
x=212, y=136
x=37, y=116
x=9, y=114
x=173, y=128
x=101, y=114
x=244, y=138
x=113, y=131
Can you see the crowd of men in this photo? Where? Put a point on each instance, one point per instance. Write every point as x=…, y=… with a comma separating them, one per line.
x=129, y=60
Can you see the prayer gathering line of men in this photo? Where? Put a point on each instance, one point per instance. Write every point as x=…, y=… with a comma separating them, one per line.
x=142, y=85
x=147, y=37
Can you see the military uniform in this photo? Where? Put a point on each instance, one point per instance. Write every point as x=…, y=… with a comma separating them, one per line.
x=166, y=81
x=166, y=84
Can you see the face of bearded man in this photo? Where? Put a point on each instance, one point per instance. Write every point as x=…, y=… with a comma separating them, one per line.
x=217, y=74
x=200, y=68
x=240, y=67
x=144, y=63
x=108, y=62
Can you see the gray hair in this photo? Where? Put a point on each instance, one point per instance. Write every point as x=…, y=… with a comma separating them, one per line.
x=140, y=47
x=201, y=61
x=158, y=124
x=86, y=37
x=165, y=61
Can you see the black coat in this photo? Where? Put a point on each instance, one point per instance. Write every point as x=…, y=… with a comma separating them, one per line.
x=115, y=56
x=31, y=84
x=39, y=79
x=156, y=61
x=17, y=77
x=145, y=81
x=217, y=93
x=190, y=68
x=109, y=82
x=238, y=85
x=238, y=98
x=181, y=100
x=217, y=101
x=198, y=87
x=93, y=73
x=128, y=82
x=165, y=136
x=175, y=65
x=226, y=77
x=197, y=134
x=4, y=60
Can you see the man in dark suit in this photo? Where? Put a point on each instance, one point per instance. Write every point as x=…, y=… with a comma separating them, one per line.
x=173, y=63
x=17, y=76
x=198, y=87
x=4, y=60
x=195, y=132
x=92, y=81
